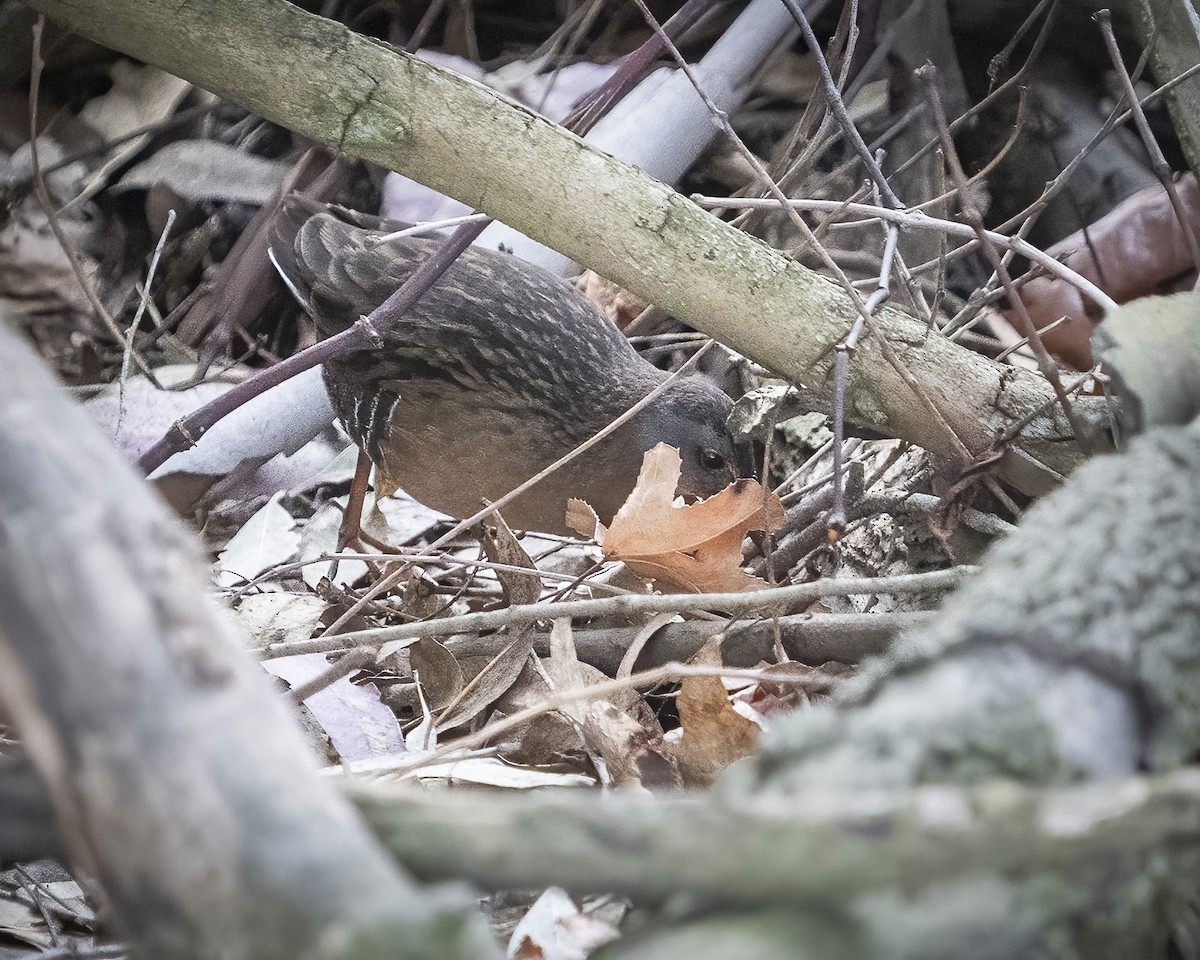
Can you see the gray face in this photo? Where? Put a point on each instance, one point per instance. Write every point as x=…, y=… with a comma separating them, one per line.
x=691, y=416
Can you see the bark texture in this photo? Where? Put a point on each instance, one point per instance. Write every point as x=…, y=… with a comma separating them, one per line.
x=179, y=780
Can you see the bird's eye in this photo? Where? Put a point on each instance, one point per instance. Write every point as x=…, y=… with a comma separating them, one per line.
x=711, y=460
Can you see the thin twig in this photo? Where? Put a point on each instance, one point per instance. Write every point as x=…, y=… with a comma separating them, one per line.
x=44, y=201
x=1027, y=219
x=137, y=317
x=430, y=226
x=1158, y=163
x=452, y=565
x=837, y=105
x=994, y=95
x=922, y=221
x=157, y=127
x=928, y=76
x=345, y=665
x=758, y=603
x=836, y=523
x=417, y=38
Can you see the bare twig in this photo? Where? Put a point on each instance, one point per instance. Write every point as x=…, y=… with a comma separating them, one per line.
x=417, y=37
x=1000, y=59
x=833, y=97
x=928, y=76
x=759, y=603
x=43, y=197
x=1158, y=163
x=137, y=317
x=921, y=221
x=836, y=522
x=345, y=665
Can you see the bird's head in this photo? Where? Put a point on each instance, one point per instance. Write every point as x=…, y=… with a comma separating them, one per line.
x=691, y=416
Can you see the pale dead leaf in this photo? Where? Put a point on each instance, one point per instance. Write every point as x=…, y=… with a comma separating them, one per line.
x=695, y=547
x=359, y=725
x=644, y=635
x=36, y=277
x=441, y=676
x=782, y=688
x=319, y=537
x=267, y=539
x=392, y=519
x=269, y=618
x=208, y=170
x=23, y=923
x=610, y=733
x=556, y=929
x=398, y=518
x=136, y=414
x=140, y=97
x=490, y=683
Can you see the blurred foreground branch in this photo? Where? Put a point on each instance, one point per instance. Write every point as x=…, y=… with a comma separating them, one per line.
x=179, y=781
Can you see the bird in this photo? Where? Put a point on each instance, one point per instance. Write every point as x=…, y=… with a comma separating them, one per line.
x=497, y=371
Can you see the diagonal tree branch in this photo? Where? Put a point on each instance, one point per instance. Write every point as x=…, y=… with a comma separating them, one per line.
x=320, y=79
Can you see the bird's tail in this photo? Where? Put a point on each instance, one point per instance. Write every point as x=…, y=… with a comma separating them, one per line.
x=312, y=246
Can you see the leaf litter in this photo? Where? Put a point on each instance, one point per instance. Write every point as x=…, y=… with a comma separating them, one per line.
x=632, y=736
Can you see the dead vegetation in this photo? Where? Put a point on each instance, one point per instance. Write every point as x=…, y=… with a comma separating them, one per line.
x=952, y=198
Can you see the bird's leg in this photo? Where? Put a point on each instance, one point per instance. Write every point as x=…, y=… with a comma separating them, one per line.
x=351, y=532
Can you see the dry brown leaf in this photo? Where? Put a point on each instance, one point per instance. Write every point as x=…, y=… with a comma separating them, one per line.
x=583, y=520
x=495, y=678
x=614, y=302
x=501, y=546
x=714, y=734
x=696, y=547
x=441, y=674
x=546, y=740
x=1136, y=249
x=627, y=748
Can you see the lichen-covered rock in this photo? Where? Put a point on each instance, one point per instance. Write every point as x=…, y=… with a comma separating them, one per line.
x=1075, y=654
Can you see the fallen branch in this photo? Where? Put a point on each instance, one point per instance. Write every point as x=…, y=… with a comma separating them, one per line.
x=179, y=780
x=320, y=79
